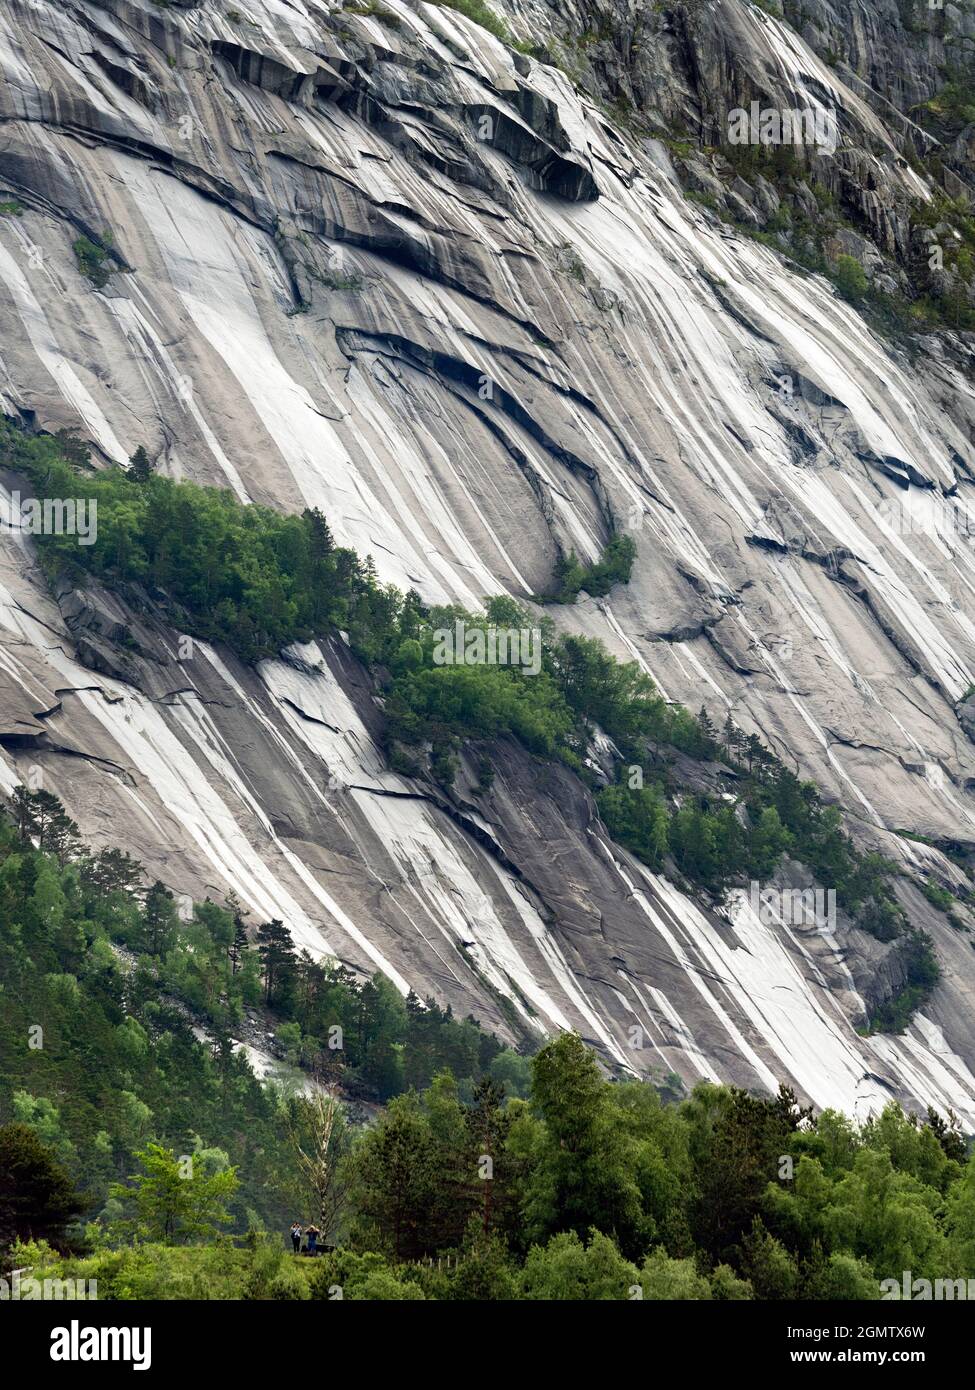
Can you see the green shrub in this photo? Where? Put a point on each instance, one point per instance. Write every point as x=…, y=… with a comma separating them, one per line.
x=850, y=278
x=613, y=567
x=481, y=14
x=938, y=896
x=93, y=259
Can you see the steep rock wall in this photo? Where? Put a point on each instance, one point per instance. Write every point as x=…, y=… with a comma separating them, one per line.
x=329, y=234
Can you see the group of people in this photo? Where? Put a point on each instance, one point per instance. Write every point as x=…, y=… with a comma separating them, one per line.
x=310, y=1233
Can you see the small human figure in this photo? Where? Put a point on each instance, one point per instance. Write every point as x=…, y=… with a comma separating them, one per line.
x=312, y=1233
x=296, y=1236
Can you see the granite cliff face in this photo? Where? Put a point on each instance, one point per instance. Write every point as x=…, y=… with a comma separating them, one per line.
x=378, y=261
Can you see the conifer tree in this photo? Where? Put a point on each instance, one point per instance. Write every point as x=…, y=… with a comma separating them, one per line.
x=37, y=1197
x=276, y=950
x=159, y=919
x=140, y=468
x=111, y=871
x=239, y=944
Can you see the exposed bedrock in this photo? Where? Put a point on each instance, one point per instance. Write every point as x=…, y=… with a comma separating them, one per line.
x=392, y=268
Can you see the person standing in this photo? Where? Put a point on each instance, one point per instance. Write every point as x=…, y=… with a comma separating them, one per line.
x=296, y=1237
x=312, y=1233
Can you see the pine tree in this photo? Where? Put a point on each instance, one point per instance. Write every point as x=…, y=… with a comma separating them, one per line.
x=73, y=450
x=322, y=541
x=59, y=834
x=37, y=1197
x=276, y=950
x=40, y=815
x=111, y=871
x=708, y=732
x=159, y=919
x=420, y=1047
x=397, y=1176
x=382, y=1022
x=489, y=1124
x=730, y=736
x=239, y=947
x=24, y=818
x=949, y=1135
x=140, y=468
x=240, y=944
x=755, y=751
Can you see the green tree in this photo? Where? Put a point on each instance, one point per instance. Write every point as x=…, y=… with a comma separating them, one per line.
x=276, y=950
x=396, y=1178
x=140, y=466
x=485, y=1272
x=768, y=1265
x=583, y=1176
x=666, y=1279
x=736, y=1141
x=850, y=277
x=159, y=919
x=768, y=841
x=175, y=1200
x=567, y=1269
x=38, y=1200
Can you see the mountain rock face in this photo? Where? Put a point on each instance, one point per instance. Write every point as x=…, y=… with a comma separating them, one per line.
x=377, y=261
